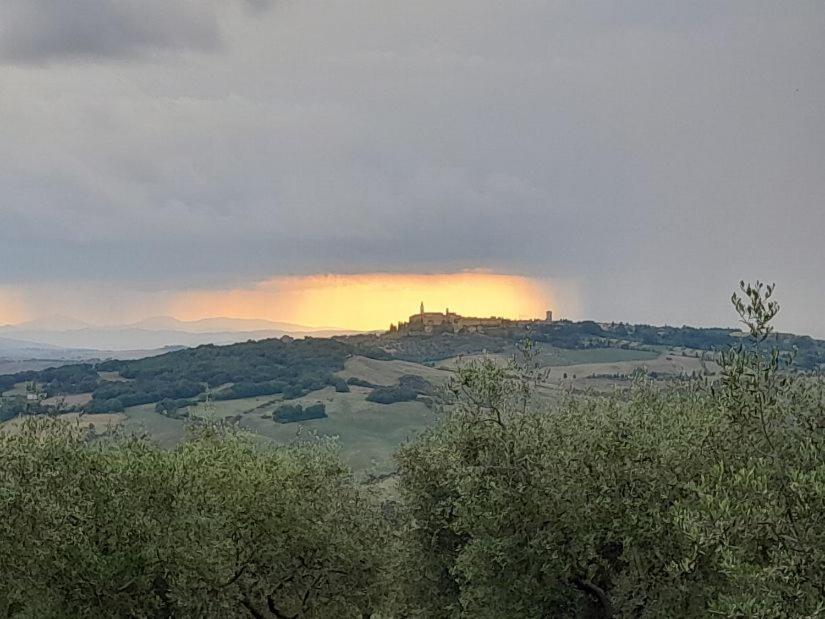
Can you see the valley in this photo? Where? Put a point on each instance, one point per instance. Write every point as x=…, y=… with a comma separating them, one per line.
x=366, y=433
x=163, y=396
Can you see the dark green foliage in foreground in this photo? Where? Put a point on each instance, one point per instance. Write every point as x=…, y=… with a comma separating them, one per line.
x=289, y=413
x=696, y=502
x=215, y=528
x=391, y=395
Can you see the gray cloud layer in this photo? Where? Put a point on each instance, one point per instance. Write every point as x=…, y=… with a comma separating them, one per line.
x=49, y=30
x=655, y=153
x=37, y=31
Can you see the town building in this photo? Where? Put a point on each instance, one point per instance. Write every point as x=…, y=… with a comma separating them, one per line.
x=450, y=322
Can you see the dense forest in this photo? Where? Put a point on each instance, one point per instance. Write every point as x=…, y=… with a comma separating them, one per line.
x=704, y=500
x=292, y=368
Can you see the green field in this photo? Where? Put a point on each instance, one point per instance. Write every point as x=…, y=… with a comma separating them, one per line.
x=554, y=357
x=550, y=356
x=367, y=433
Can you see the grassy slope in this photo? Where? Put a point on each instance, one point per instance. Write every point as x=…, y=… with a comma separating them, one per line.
x=369, y=433
x=388, y=372
x=556, y=357
x=550, y=356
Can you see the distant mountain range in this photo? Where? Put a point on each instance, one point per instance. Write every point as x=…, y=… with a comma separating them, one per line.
x=56, y=336
x=18, y=345
x=215, y=325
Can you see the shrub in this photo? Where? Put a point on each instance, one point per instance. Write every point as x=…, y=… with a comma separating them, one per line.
x=416, y=383
x=391, y=395
x=340, y=384
x=289, y=413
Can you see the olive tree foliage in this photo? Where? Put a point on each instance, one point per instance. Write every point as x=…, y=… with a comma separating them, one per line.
x=761, y=510
x=689, y=502
x=521, y=512
x=216, y=527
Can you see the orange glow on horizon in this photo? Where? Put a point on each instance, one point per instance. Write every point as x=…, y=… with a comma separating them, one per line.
x=12, y=307
x=370, y=301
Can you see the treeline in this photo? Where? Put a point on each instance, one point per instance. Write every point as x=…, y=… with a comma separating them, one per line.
x=671, y=337
x=581, y=335
x=63, y=380
x=588, y=334
x=427, y=348
x=697, y=502
x=11, y=407
x=292, y=368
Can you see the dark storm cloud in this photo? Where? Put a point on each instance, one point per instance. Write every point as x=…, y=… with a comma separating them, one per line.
x=34, y=31
x=634, y=147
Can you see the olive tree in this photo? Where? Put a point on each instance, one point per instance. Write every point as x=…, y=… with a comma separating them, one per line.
x=215, y=527
x=658, y=502
x=761, y=511
x=532, y=513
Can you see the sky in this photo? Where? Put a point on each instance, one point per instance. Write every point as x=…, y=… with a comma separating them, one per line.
x=614, y=160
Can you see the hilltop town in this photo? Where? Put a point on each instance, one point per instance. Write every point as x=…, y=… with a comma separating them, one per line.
x=449, y=322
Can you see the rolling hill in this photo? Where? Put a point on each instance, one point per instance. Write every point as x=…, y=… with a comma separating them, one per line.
x=245, y=383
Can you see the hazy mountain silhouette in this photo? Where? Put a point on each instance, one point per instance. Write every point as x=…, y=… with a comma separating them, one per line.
x=151, y=333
